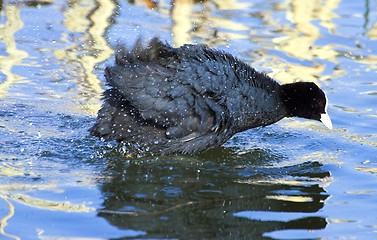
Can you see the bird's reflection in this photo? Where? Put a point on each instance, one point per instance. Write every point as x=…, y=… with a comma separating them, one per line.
x=205, y=197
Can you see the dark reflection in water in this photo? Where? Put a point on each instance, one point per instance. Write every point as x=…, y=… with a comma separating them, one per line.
x=205, y=197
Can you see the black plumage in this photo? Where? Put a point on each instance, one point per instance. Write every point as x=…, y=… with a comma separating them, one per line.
x=169, y=100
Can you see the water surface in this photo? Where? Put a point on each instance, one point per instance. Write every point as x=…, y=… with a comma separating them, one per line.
x=291, y=180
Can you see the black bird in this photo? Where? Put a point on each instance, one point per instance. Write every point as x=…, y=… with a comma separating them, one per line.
x=167, y=100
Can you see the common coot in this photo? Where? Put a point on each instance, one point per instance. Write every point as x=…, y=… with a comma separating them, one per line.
x=167, y=100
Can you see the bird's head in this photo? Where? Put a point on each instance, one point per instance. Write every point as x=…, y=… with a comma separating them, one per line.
x=305, y=100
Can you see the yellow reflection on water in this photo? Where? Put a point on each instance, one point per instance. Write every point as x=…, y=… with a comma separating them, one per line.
x=15, y=56
x=4, y=220
x=370, y=60
x=189, y=23
x=90, y=18
x=367, y=169
x=290, y=198
x=7, y=169
x=372, y=34
x=299, y=41
x=181, y=14
x=50, y=205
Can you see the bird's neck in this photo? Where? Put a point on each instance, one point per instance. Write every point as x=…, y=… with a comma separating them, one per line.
x=264, y=114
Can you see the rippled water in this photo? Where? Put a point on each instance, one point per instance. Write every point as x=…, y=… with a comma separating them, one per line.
x=291, y=180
